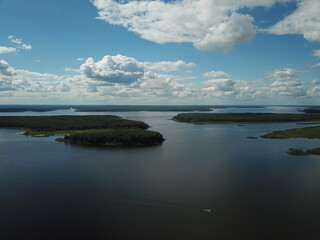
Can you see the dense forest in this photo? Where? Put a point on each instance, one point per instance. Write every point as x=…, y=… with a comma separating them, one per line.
x=127, y=137
x=55, y=123
x=200, y=118
x=88, y=130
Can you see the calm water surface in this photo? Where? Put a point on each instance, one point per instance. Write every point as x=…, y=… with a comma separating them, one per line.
x=51, y=190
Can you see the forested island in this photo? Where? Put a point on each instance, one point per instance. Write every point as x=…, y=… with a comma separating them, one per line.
x=307, y=132
x=88, y=129
x=236, y=118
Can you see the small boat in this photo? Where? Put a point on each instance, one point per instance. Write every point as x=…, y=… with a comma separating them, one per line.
x=207, y=210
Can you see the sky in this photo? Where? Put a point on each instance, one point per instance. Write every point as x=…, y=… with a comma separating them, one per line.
x=170, y=52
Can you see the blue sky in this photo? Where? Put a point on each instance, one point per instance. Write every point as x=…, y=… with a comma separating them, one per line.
x=159, y=52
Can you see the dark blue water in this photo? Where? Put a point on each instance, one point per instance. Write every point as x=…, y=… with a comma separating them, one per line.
x=51, y=190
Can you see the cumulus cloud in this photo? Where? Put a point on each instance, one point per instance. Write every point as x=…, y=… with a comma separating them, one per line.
x=237, y=29
x=19, y=42
x=71, y=70
x=304, y=20
x=7, y=50
x=216, y=74
x=167, y=66
x=6, y=74
x=113, y=69
x=315, y=81
x=153, y=85
x=209, y=24
x=5, y=69
x=315, y=65
x=121, y=78
x=316, y=53
x=314, y=92
x=286, y=82
x=222, y=85
x=228, y=87
x=284, y=77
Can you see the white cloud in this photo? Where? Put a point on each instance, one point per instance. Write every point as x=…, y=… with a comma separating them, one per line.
x=19, y=42
x=80, y=59
x=304, y=20
x=294, y=91
x=167, y=66
x=152, y=85
x=226, y=87
x=284, y=77
x=35, y=76
x=237, y=29
x=216, y=74
x=315, y=81
x=209, y=24
x=71, y=70
x=316, y=53
x=7, y=50
x=6, y=74
x=314, y=92
x=286, y=82
x=113, y=69
x=93, y=83
x=315, y=65
x=5, y=69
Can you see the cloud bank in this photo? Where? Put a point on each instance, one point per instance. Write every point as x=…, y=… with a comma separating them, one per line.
x=305, y=20
x=121, y=79
x=209, y=25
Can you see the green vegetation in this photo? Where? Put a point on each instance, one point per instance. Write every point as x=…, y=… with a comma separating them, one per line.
x=58, y=123
x=311, y=110
x=300, y=152
x=307, y=132
x=89, y=130
x=126, y=137
x=214, y=118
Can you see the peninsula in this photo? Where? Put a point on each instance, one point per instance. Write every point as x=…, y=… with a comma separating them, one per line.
x=240, y=118
x=87, y=130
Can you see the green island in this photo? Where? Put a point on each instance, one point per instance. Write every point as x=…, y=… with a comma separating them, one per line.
x=236, y=118
x=307, y=132
x=105, y=130
x=301, y=152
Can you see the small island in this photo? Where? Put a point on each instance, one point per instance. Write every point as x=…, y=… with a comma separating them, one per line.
x=106, y=130
x=307, y=132
x=241, y=118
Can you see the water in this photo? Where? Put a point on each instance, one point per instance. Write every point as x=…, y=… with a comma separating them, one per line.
x=51, y=190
